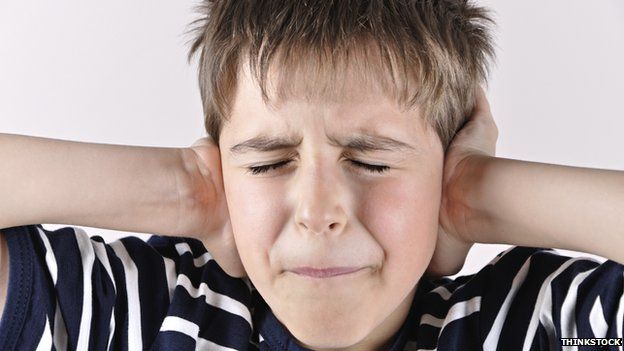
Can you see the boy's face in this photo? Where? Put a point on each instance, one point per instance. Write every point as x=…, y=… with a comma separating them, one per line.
x=321, y=209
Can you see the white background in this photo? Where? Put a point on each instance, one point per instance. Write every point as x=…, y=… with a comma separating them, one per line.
x=115, y=72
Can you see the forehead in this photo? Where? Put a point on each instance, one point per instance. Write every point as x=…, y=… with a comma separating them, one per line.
x=360, y=108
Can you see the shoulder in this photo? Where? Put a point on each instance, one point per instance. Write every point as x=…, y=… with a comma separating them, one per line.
x=518, y=273
x=526, y=296
x=164, y=284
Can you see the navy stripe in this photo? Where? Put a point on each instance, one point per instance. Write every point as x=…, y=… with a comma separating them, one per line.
x=462, y=334
x=607, y=278
x=540, y=341
x=153, y=288
x=104, y=298
x=173, y=341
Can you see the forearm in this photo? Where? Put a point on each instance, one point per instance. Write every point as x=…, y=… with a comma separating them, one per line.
x=128, y=188
x=545, y=205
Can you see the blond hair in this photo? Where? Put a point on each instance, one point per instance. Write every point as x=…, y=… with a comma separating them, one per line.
x=421, y=53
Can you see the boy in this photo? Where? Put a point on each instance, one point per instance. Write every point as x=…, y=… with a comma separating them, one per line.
x=322, y=205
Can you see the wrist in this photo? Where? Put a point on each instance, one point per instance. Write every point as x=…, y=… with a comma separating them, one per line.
x=189, y=200
x=463, y=199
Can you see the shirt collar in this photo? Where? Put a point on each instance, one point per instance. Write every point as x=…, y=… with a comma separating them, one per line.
x=275, y=334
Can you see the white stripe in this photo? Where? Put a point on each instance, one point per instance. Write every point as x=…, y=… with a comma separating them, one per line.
x=457, y=311
x=49, y=256
x=60, y=330
x=183, y=248
x=619, y=319
x=45, y=343
x=213, y=298
x=431, y=320
x=441, y=290
x=543, y=304
x=173, y=323
x=444, y=292
x=87, y=257
x=170, y=273
x=100, y=252
x=491, y=341
x=597, y=321
x=568, y=308
x=132, y=289
x=260, y=338
x=547, y=322
x=177, y=324
x=462, y=309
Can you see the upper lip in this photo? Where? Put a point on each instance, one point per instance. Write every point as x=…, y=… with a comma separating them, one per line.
x=324, y=272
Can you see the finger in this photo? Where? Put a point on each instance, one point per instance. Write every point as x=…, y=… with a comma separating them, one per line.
x=203, y=141
x=482, y=111
x=199, y=142
x=481, y=103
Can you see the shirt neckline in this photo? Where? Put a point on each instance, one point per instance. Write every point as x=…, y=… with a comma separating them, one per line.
x=20, y=284
x=276, y=335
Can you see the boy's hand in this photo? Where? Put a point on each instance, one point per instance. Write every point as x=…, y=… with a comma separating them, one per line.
x=208, y=218
x=476, y=138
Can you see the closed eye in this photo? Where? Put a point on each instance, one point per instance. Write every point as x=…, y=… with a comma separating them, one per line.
x=369, y=167
x=266, y=168
x=365, y=166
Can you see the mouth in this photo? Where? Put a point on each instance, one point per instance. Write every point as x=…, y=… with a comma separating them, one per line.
x=325, y=272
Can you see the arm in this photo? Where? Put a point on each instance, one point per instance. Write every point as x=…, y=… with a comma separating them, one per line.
x=165, y=191
x=128, y=188
x=499, y=200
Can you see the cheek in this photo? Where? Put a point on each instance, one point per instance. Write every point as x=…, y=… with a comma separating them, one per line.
x=403, y=216
x=255, y=211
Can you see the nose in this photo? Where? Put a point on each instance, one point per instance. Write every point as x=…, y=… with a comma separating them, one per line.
x=320, y=207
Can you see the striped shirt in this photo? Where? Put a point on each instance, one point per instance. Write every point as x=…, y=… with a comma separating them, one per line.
x=68, y=290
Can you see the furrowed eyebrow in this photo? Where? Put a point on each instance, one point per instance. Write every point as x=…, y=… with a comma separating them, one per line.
x=360, y=142
x=263, y=143
x=371, y=142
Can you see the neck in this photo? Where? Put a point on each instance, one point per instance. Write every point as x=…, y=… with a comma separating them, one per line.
x=381, y=337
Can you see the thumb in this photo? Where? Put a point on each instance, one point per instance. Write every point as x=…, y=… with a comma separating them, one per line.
x=203, y=141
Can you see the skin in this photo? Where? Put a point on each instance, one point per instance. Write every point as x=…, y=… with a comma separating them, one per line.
x=322, y=210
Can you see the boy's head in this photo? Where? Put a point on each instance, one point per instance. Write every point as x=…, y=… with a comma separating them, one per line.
x=332, y=119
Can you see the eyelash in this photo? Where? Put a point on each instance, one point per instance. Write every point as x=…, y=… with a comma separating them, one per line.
x=369, y=168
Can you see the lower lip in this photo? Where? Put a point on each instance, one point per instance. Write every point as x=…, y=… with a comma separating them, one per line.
x=326, y=273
